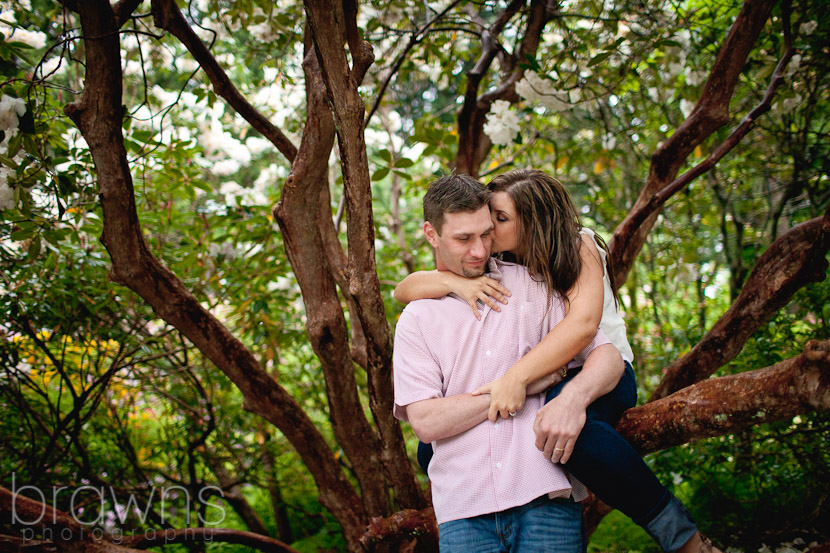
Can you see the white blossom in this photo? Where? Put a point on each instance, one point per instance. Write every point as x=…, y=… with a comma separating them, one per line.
x=686, y=107
x=787, y=104
x=186, y=64
x=225, y=167
x=281, y=283
x=257, y=145
x=231, y=190
x=502, y=125
x=35, y=39
x=676, y=68
x=684, y=37
x=807, y=28
x=228, y=250
x=10, y=110
x=585, y=135
x=269, y=176
x=694, y=78
x=534, y=88
x=6, y=192
x=51, y=66
x=792, y=66
x=263, y=32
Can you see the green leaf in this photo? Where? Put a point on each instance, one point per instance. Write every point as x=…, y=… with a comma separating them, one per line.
x=403, y=163
x=23, y=234
x=380, y=174
x=599, y=58
x=385, y=155
x=34, y=248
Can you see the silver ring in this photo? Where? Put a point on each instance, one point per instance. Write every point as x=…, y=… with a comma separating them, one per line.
x=513, y=414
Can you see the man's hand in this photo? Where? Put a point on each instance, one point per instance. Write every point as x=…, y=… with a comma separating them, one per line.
x=558, y=425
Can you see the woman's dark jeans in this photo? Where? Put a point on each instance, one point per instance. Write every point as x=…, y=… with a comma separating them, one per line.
x=613, y=470
x=605, y=462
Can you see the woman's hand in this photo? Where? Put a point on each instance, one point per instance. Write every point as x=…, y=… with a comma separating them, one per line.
x=506, y=396
x=483, y=288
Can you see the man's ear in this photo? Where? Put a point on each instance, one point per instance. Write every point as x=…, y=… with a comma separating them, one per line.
x=431, y=234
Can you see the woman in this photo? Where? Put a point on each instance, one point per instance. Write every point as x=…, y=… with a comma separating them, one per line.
x=536, y=224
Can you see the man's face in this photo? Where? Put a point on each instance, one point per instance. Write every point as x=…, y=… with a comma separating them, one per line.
x=463, y=246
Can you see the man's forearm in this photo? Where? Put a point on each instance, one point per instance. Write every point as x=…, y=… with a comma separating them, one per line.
x=599, y=375
x=439, y=418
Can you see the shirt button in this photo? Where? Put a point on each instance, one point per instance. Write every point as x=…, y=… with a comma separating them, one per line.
x=498, y=465
x=488, y=352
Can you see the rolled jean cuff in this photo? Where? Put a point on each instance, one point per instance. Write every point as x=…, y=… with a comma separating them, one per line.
x=672, y=527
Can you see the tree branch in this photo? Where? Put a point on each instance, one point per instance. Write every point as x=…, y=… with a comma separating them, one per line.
x=341, y=86
x=209, y=535
x=36, y=514
x=403, y=524
x=731, y=403
x=473, y=144
x=167, y=16
x=326, y=324
x=414, y=39
x=98, y=115
x=796, y=259
x=711, y=408
x=642, y=211
x=124, y=10
x=710, y=113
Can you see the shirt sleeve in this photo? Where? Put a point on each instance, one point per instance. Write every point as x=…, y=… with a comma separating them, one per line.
x=417, y=374
x=599, y=339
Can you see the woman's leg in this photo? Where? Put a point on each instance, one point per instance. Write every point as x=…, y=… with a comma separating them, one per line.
x=424, y=455
x=613, y=470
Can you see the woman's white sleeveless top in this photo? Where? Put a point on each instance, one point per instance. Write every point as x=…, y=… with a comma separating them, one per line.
x=612, y=323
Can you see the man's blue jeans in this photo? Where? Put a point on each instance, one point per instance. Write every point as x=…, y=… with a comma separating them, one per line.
x=542, y=526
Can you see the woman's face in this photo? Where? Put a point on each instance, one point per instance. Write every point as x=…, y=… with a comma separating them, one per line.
x=505, y=226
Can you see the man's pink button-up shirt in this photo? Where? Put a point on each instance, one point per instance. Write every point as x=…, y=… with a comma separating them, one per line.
x=442, y=350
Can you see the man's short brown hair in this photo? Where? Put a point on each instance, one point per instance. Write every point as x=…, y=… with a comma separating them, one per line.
x=453, y=194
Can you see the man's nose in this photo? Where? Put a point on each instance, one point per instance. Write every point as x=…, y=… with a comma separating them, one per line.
x=481, y=248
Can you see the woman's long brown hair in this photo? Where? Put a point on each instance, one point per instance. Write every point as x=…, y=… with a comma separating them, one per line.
x=548, y=229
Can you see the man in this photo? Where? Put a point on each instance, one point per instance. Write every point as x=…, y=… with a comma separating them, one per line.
x=492, y=490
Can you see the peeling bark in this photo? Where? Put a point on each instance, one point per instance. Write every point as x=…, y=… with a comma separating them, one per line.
x=98, y=115
x=731, y=403
x=473, y=144
x=710, y=113
x=341, y=85
x=403, y=524
x=796, y=259
x=326, y=324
